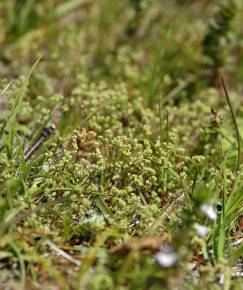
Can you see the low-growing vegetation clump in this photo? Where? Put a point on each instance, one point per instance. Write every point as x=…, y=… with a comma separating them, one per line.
x=120, y=144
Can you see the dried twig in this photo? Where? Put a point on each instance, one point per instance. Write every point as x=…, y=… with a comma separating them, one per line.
x=46, y=132
x=63, y=254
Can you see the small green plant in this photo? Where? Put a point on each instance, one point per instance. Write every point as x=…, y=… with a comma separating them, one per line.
x=216, y=40
x=140, y=184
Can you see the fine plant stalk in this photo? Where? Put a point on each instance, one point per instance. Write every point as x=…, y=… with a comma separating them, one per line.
x=221, y=224
x=9, y=134
x=235, y=125
x=160, y=122
x=21, y=262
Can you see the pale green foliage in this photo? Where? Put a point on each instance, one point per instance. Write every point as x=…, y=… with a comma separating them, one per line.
x=119, y=166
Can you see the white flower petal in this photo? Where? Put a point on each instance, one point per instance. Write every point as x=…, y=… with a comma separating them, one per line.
x=166, y=257
x=201, y=230
x=208, y=209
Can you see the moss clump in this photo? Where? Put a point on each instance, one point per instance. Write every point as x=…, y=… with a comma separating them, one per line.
x=136, y=188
